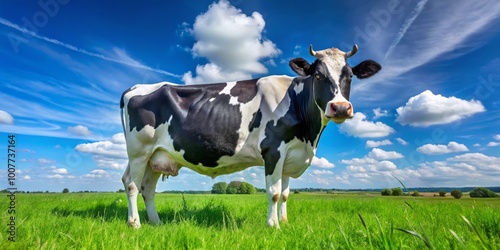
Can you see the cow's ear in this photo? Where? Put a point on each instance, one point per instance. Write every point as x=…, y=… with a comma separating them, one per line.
x=366, y=69
x=300, y=66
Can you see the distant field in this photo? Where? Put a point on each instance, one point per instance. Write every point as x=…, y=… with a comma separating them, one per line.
x=317, y=221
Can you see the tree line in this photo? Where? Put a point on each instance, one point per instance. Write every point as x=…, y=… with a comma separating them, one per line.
x=234, y=187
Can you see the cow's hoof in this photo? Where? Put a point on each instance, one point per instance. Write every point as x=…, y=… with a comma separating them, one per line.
x=134, y=224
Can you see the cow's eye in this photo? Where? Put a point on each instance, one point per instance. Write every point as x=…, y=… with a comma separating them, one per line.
x=317, y=76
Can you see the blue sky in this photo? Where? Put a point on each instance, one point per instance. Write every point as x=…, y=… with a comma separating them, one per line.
x=430, y=117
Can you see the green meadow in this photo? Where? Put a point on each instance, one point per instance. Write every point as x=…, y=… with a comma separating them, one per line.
x=201, y=221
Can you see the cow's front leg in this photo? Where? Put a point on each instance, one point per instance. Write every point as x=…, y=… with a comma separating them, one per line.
x=148, y=194
x=284, y=197
x=273, y=169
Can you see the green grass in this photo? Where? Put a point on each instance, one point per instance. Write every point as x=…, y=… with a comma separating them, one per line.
x=316, y=221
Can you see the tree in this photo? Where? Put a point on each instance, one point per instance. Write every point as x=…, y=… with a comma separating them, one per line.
x=481, y=192
x=386, y=192
x=397, y=191
x=456, y=193
x=247, y=188
x=219, y=188
x=65, y=190
x=235, y=187
x=415, y=193
x=231, y=190
x=443, y=193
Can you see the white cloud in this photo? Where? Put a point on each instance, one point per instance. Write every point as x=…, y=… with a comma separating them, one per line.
x=378, y=112
x=380, y=154
x=358, y=126
x=431, y=149
x=427, y=109
x=481, y=161
x=118, y=138
x=60, y=176
x=44, y=161
x=402, y=142
x=322, y=162
x=80, y=130
x=232, y=42
x=6, y=118
x=322, y=172
x=374, y=144
x=493, y=144
x=496, y=137
x=110, y=154
x=60, y=171
x=106, y=148
x=26, y=177
x=102, y=174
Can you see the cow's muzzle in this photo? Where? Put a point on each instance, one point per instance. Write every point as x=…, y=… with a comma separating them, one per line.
x=338, y=112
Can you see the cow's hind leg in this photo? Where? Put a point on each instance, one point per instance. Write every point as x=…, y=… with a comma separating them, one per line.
x=284, y=197
x=132, y=191
x=131, y=179
x=148, y=188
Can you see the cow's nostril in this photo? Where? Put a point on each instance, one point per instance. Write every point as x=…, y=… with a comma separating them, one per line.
x=334, y=108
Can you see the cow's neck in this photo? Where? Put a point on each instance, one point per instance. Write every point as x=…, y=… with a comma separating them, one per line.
x=308, y=112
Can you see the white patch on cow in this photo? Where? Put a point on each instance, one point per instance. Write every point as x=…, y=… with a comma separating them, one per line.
x=299, y=156
x=227, y=91
x=298, y=88
x=211, y=99
x=273, y=89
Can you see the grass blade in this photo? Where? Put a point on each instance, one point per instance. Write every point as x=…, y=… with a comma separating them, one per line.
x=424, y=238
x=384, y=237
x=409, y=205
x=400, y=182
x=347, y=242
x=473, y=228
x=458, y=239
x=367, y=230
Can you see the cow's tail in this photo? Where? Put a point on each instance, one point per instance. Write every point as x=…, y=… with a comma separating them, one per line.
x=122, y=106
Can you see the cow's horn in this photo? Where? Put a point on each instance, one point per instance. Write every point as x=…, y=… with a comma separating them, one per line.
x=352, y=52
x=311, y=51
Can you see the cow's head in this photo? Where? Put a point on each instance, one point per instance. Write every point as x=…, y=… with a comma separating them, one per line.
x=331, y=79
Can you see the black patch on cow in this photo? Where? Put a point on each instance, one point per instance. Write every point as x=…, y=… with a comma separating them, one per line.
x=203, y=124
x=302, y=121
x=208, y=132
x=345, y=81
x=245, y=90
x=256, y=119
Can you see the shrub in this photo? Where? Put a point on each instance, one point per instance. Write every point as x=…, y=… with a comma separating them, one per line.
x=65, y=190
x=456, y=193
x=386, y=192
x=481, y=192
x=443, y=193
x=397, y=191
x=415, y=193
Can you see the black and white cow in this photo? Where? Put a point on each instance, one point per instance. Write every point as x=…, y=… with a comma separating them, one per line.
x=222, y=128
